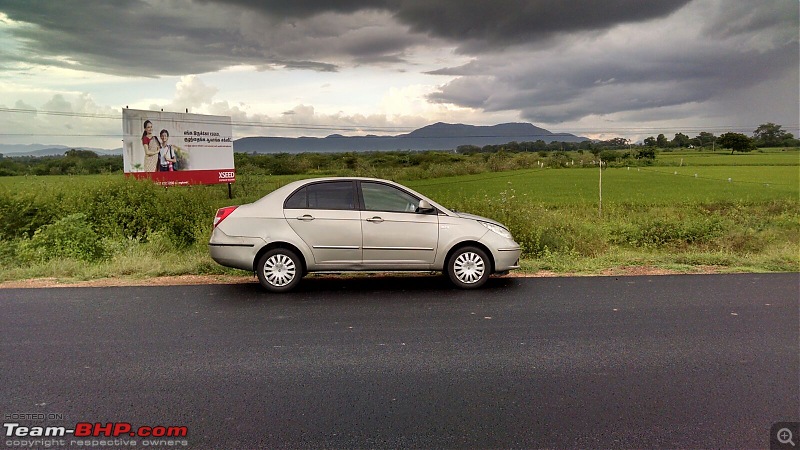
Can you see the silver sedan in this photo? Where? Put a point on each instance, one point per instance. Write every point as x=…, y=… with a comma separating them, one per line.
x=357, y=224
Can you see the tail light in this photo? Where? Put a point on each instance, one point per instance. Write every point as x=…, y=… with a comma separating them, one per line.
x=222, y=213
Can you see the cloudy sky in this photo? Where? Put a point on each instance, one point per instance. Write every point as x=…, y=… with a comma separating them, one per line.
x=602, y=69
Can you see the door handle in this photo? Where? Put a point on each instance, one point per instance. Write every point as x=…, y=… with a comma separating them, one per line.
x=375, y=219
x=306, y=218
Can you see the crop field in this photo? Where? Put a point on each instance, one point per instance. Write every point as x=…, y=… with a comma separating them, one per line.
x=715, y=212
x=637, y=186
x=789, y=157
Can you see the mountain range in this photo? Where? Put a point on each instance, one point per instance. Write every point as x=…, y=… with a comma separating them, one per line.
x=439, y=136
x=50, y=150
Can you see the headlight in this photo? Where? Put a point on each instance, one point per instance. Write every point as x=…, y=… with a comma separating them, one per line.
x=497, y=229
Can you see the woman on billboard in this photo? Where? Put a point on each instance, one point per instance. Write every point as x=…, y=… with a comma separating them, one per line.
x=151, y=148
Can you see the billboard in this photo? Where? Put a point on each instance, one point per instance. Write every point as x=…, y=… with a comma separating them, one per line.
x=176, y=148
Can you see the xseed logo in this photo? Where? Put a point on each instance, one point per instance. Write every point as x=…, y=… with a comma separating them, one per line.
x=227, y=175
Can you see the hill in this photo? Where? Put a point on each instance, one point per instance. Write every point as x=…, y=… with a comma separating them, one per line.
x=439, y=136
x=49, y=150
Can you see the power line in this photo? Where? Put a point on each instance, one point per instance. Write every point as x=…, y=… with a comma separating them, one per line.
x=254, y=124
x=367, y=128
x=60, y=135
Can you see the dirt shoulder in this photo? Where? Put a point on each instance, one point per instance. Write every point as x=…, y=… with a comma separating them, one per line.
x=186, y=280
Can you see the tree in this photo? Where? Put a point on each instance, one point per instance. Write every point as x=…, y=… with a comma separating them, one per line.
x=650, y=141
x=680, y=140
x=705, y=138
x=661, y=141
x=646, y=153
x=468, y=149
x=82, y=154
x=737, y=142
x=617, y=142
x=770, y=135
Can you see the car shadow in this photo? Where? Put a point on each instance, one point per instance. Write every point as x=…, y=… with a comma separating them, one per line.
x=434, y=284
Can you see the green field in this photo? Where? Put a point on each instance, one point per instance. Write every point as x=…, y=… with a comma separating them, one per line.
x=639, y=186
x=770, y=157
x=719, y=211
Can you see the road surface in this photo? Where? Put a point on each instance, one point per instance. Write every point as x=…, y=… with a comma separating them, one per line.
x=629, y=362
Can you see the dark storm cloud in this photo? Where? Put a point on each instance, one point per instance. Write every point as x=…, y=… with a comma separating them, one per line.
x=123, y=37
x=182, y=37
x=551, y=60
x=570, y=91
x=739, y=46
x=498, y=21
x=483, y=25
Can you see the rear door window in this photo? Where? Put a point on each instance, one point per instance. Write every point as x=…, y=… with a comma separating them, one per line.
x=338, y=195
x=298, y=200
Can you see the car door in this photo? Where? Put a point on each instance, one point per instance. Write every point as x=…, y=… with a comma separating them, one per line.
x=395, y=235
x=325, y=215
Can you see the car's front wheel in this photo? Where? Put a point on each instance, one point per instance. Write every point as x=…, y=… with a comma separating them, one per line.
x=279, y=270
x=468, y=268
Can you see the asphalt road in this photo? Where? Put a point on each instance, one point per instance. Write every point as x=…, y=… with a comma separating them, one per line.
x=628, y=362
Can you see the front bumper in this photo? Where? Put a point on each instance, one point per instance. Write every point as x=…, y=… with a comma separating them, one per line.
x=505, y=252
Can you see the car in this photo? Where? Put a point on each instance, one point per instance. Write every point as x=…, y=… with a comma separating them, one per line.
x=357, y=224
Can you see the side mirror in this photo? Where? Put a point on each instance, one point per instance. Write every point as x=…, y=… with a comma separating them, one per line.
x=424, y=207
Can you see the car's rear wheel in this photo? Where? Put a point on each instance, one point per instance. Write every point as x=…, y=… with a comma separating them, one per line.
x=279, y=270
x=468, y=268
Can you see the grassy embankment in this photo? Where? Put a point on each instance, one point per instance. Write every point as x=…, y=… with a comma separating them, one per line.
x=680, y=214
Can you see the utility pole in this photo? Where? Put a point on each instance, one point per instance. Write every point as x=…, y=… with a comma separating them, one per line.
x=600, y=209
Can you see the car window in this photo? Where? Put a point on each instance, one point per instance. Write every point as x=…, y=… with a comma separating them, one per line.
x=382, y=197
x=330, y=195
x=298, y=200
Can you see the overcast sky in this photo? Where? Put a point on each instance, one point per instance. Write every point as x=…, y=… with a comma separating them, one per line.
x=597, y=68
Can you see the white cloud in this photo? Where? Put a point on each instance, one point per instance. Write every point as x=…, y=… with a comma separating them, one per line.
x=366, y=66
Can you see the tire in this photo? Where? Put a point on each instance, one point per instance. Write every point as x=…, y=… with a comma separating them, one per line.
x=279, y=270
x=469, y=268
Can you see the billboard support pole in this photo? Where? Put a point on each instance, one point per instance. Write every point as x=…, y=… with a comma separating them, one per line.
x=230, y=193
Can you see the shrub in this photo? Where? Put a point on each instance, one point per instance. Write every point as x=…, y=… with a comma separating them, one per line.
x=127, y=208
x=23, y=215
x=660, y=232
x=69, y=237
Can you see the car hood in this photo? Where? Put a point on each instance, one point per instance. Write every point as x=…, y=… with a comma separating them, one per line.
x=464, y=215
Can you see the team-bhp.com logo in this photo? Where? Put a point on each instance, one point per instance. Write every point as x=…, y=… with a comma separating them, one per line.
x=87, y=429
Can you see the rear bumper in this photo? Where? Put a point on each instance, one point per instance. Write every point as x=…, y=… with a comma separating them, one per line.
x=234, y=251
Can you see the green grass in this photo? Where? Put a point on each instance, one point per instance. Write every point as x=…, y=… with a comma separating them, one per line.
x=659, y=216
x=637, y=186
x=760, y=157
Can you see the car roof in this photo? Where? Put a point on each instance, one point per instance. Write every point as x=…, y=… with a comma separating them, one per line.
x=288, y=188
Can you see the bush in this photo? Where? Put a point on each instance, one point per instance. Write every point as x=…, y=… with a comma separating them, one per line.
x=125, y=208
x=69, y=237
x=23, y=215
x=661, y=232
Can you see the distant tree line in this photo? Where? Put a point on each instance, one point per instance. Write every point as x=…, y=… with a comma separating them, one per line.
x=766, y=135
x=73, y=162
x=544, y=149
x=85, y=162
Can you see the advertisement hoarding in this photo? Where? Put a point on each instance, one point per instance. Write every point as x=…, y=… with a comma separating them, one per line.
x=176, y=148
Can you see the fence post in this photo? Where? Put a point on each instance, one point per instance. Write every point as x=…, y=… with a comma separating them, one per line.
x=600, y=209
